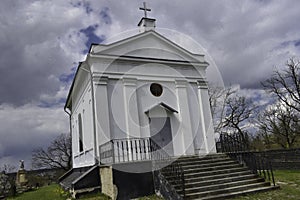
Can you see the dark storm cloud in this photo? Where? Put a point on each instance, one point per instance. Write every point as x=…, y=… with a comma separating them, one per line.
x=241, y=36
x=26, y=128
x=32, y=56
x=41, y=42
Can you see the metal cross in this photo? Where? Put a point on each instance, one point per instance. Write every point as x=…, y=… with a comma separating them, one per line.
x=145, y=9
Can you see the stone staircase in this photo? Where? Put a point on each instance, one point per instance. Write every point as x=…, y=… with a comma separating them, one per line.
x=217, y=176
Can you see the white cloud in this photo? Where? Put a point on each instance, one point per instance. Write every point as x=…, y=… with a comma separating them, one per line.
x=259, y=96
x=56, y=99
x=27, y=127
x=41, y=40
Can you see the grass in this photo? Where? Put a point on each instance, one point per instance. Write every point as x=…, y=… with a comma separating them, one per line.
x=289, y=182
x=48, y=192
x=95, y=196
x=152, y=197
x=54, y=192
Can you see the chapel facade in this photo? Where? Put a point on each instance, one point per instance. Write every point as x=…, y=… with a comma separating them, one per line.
x=144, y=86
x=135, y=94
x=141, y=124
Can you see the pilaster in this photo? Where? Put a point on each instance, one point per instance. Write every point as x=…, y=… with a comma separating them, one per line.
x=102, y=110
x=185, y=129
x=131, y=107
x=206, y=118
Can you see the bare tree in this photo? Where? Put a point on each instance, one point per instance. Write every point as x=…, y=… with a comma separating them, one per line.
x=231, y=113
x=57, y=155
x=280, y=125
x=239, y=112
x=7, y=168
x=285, y=84
x=218, y=96
x=264, y=134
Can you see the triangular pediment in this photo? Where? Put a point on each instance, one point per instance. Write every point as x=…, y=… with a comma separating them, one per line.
x=161, y=105
x=149, y=44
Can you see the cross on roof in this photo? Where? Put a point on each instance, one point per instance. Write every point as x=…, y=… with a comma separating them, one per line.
x=145, y=9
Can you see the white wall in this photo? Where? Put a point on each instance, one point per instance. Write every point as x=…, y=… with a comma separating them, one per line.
x=188, y=135
x=83, y=106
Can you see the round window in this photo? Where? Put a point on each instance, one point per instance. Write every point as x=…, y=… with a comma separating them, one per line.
x=156, y=89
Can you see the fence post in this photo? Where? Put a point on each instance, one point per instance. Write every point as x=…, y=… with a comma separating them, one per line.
x=113, y=151
x=221, y=142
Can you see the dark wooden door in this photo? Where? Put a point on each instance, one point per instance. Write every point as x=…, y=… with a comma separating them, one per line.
x=161, y=133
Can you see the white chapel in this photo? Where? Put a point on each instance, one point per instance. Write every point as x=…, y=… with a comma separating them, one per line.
x=140, y=89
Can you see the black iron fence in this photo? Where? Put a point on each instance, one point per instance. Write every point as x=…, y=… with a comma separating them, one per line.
x=175, y=175
x=233, y=143
x=167, y=169
x=258, y=165
x=237, y=148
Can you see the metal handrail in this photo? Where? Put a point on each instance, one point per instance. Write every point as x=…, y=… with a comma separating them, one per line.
x=172, y=171
x=234, y=146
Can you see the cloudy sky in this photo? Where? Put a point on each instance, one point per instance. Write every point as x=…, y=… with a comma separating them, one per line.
x=42, y=42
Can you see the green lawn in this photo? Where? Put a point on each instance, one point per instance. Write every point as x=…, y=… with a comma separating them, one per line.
x=48, y=192
x=153, y=197
x=54, y=192
x=289, y=182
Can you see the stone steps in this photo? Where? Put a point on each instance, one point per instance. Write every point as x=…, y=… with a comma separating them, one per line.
x=227, y=190
x=224, y=185
x=207, y=161
x=220, y=176
x=202, y=158
x=208, y=164
x=222, y=180
x=244, y=192
x=214, y=172
x=210, y=168
x=216, y=176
